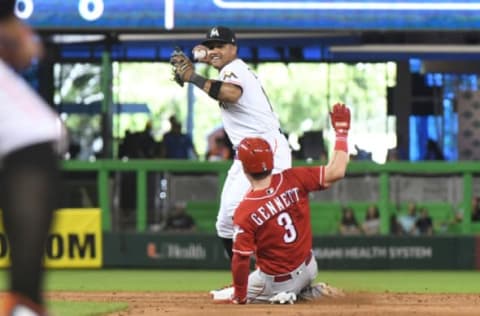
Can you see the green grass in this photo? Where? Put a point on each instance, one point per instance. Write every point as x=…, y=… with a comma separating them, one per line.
x=136, y=280
x=405, y=281
x=179, y=280
x=202, y=281
x=84, y=308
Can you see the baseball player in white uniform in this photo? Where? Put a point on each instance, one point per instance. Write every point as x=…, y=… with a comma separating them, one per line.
x=29, y=178
x=246, y=112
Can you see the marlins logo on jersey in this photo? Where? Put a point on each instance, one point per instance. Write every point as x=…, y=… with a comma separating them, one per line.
x=228, y=75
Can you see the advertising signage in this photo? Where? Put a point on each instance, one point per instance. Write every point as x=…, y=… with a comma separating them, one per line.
x=262, y=15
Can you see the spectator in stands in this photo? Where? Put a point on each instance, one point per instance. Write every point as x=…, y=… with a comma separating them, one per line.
x=219, y=146
x=424, y=223
x=222, y=149
x=407, y=221
x=395, y=227
x=146, y=142
x=371, y=225
x=401, y=151
x=349, y=224
x=138, y=145
x=433, y=151
x=312, y=146
x=475, y=209
x=177, y=145
x=451, y=224
x=179, y=220
x=127, y=146
x=457, y=217
x=362, y=154
x=392, y=154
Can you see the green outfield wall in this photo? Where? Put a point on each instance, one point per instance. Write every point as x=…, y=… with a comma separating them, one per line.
x=205, y=251
x=378, y=177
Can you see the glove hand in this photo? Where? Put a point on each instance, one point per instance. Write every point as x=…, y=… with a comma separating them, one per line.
x=283, y=298
x=182, y=66
x=177, y=78
x=340, y=118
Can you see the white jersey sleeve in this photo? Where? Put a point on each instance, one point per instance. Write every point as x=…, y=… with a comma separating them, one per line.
x=25, y=119
x=253, y=114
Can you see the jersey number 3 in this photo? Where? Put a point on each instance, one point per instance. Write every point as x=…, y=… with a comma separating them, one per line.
x=286, y=222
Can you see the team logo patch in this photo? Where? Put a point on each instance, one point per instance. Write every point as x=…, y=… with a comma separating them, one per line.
x=237, y=230
x=214, y=33
x=228, y=75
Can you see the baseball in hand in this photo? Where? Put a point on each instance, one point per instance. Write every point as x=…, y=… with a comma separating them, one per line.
x=199, y=52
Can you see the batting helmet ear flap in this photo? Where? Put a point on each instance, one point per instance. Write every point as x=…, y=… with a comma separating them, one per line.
x=255, y=154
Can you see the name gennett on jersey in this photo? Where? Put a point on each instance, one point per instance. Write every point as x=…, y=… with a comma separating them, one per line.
x=273, y=206
x=278, y=204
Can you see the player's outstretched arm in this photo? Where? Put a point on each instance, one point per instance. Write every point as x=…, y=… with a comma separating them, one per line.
x=337, y=165
x=184, y=71
x=240, y=271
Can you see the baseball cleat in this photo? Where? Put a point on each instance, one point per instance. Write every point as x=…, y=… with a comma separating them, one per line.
x=220, y=289
x=319, y=290
x=222, y=294
x=18, y=305
x=328, y=290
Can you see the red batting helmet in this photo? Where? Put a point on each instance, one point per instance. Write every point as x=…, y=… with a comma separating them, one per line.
x=255, y=154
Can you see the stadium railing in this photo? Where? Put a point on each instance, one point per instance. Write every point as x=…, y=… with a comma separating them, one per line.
x=104, y=170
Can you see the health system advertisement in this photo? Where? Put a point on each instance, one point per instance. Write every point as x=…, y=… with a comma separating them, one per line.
x=262, y=15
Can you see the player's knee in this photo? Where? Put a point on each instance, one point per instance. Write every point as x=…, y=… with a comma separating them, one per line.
x=34, y=164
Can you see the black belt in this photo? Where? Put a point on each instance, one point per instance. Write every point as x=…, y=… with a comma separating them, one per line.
x=286, y=277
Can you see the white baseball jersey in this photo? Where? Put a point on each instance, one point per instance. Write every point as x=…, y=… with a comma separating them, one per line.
x=25, y=119
x=252, y=115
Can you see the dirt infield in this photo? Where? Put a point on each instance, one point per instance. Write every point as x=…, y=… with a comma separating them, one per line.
x=200, y=304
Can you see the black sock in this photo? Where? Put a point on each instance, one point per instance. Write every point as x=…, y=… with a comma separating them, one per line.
x=228, y=244
x=29, y=190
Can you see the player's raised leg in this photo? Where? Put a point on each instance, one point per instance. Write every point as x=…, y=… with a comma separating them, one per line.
x=234, y=188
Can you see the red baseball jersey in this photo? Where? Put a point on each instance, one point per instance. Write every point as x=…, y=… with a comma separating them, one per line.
x=274, y=223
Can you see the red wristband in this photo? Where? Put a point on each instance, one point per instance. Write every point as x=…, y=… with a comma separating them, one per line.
x=341, y=142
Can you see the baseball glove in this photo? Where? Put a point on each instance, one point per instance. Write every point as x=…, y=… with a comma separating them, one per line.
x=182, y=66
x=340, y=118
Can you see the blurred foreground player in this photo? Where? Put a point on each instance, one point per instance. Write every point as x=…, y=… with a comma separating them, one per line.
x=29, y=166
x=273, y=223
